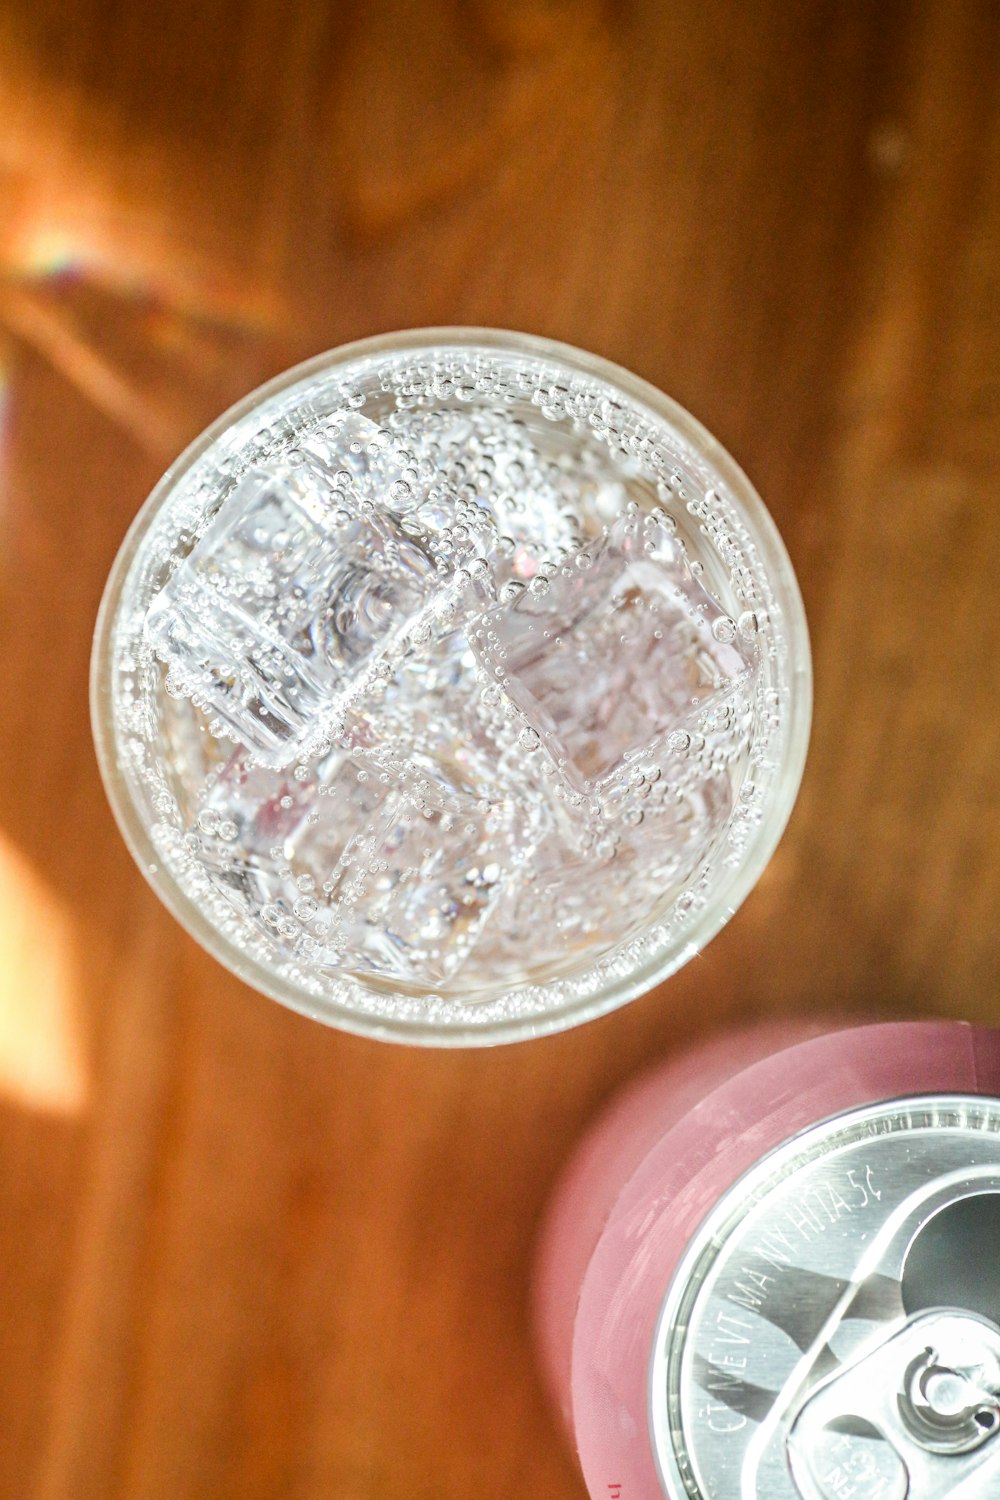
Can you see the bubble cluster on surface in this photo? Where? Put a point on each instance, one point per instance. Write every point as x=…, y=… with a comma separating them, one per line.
x=445, y=672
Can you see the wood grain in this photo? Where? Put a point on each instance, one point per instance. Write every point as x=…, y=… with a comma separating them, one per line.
x=244, y=1256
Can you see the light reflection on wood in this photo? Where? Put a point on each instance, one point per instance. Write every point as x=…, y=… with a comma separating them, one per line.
x=42, y=1064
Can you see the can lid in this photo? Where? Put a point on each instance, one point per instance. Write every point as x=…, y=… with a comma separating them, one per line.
x=833, y=1332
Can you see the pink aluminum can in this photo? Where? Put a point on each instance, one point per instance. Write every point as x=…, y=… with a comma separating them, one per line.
x=772, y=1271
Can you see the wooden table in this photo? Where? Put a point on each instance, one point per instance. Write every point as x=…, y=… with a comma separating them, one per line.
x=242, y=1255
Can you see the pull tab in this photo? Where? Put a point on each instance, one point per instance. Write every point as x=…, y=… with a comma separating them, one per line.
x=912, y=1420
x=852, y=1458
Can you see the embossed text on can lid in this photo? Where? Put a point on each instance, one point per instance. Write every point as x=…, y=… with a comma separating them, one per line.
x=833, y=1332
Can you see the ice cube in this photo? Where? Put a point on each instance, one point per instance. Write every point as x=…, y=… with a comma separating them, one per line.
x=530, y=499
x=411, y=897
x=363, y=460
x=619, y=648
x=574, y=900
x=346, y=869
x=189, y=748
x=285, y=606
x=520, y=501
x=428, y=721
x=251, y=821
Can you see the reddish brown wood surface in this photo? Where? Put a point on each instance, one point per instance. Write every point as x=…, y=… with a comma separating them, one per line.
x=242, y=1256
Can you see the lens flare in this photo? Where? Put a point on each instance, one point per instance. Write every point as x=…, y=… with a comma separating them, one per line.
x=48, y=252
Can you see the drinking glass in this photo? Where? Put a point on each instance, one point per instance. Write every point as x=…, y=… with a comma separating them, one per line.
x=453, y=687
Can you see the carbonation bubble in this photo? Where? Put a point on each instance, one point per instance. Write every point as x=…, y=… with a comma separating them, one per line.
x=724, y=628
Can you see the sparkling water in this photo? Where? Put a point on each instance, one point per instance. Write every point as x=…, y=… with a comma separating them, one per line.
x=447, y=670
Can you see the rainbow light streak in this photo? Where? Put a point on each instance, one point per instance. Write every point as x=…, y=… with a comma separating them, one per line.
x=143, y=269
x=48, y=252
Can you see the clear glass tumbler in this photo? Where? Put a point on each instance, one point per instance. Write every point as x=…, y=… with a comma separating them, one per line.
x=453, y=687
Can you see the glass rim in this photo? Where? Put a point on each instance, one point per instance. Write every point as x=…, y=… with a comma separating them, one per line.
x=720, y=905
